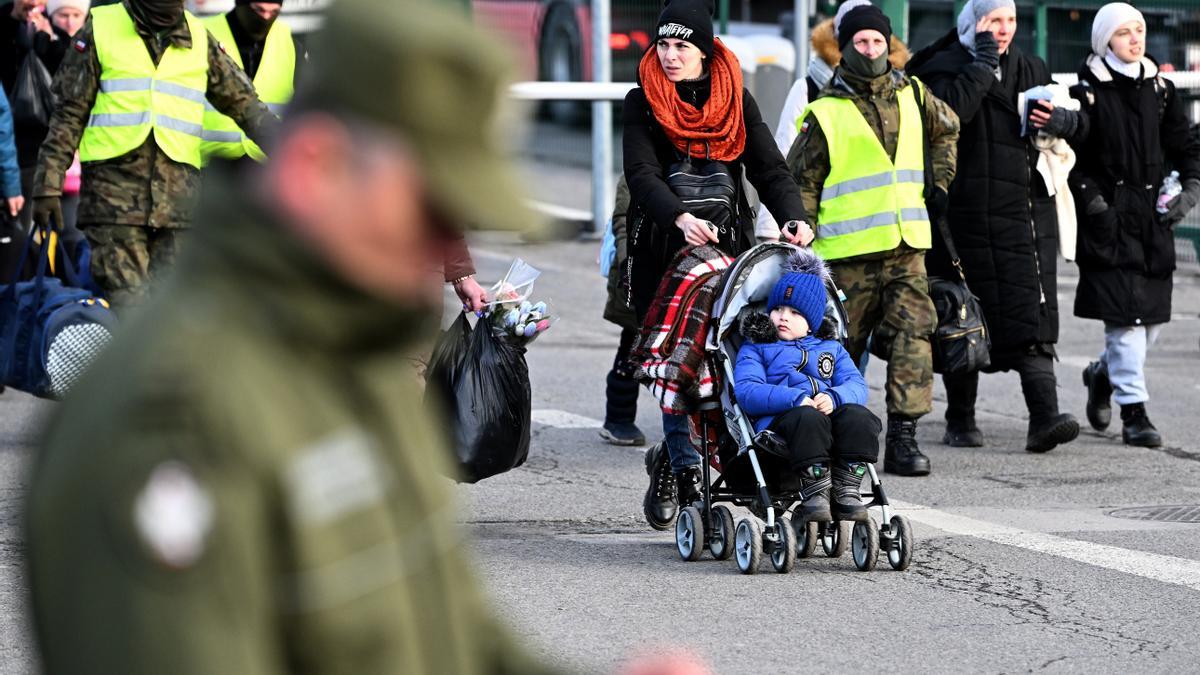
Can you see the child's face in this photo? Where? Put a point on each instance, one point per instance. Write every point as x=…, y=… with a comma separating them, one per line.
x=790, y=324
x=69, y=20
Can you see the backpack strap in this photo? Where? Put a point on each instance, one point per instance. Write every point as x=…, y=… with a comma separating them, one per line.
x=1164, y=93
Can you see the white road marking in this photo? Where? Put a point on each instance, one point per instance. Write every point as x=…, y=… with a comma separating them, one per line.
x=1077, y=361
x=561, y=419
x=1164, y=568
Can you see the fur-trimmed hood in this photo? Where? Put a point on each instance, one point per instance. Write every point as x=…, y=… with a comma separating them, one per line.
x=825, y=46
x=757, y=328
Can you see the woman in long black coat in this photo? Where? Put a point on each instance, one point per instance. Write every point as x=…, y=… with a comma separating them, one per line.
x=1001, y=218
x=691, y=102
x=1134, y=124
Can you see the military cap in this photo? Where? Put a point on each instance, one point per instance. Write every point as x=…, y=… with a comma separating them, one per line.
x=424, y=70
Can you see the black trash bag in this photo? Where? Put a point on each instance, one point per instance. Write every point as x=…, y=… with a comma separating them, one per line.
x=482, y=382
x=32, y=98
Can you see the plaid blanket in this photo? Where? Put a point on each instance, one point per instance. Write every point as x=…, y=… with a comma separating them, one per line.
x=669, y=353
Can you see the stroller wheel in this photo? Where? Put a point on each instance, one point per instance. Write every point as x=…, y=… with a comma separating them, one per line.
x=720, y=541
x=864, y=544
x=806, y=539
x=747, y=545
x=899, y=550
x=783, y=558
x=689, y=534
x=834, y=537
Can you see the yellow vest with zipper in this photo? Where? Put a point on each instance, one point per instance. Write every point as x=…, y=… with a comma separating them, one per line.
x=870, y=203
x=137, y=98
x=273, y=81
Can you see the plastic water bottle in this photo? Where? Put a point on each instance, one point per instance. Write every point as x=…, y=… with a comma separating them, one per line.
x=1171, y=188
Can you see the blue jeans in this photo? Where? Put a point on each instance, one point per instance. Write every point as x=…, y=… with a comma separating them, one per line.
x=679, y=442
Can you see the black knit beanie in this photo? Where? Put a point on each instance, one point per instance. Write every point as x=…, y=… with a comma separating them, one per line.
x=866, y=17
x=247, y=2
x=687, y=20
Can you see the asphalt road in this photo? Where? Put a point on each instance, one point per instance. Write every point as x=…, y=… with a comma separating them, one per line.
x=1022, y=563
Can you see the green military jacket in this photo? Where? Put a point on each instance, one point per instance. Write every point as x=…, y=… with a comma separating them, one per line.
x=144, y=187
x=808, y=157
x=247, y=482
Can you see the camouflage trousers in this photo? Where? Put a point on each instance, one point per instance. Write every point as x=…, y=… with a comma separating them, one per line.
x=887, y=300
x=128, y=259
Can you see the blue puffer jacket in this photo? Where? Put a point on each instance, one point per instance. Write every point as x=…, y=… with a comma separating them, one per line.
x=772, y=378
x=10, y=175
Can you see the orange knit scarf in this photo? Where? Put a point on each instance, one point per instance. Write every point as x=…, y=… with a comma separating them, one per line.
x=718, y=123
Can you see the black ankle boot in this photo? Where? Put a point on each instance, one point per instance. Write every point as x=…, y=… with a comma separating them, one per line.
x=901, y=455
x=621, y=395
x=1046, y=434
x=1099, y=388
x=690, y=484
x=815, y=484
x=847, y=482
x=660, y=504
x=963, y=433
x=1136, y=427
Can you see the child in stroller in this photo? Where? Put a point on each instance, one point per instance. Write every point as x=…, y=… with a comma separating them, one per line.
x=796, y=380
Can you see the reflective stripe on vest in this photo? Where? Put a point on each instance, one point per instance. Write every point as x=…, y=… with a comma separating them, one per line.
x=137, y=99
x=273, y=81
x=868, y=203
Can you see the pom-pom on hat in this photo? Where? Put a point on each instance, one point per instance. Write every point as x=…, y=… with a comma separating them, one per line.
x=802, y=287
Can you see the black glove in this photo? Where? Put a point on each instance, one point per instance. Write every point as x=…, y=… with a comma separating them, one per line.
x=937, y=203
x=987, y=51
x=47, y=212
x=1062, y=123
x=1179, y=207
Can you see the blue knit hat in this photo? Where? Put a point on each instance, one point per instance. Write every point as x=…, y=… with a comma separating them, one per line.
x=802, y=287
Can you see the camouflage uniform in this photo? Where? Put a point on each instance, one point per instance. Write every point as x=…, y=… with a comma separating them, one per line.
x=888, y=292
x=127, y=202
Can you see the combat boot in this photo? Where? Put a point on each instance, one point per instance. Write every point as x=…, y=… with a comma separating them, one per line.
x=620, y=397
x=1045, y=435
x=1099, y=388
x=691, y=485
x=815, y=484
x=660, y=504
x=901, y=454
x=847, y=482
x=1136, y=427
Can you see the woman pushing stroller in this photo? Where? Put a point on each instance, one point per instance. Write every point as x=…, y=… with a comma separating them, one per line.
x=797, y=381
x=691, y=106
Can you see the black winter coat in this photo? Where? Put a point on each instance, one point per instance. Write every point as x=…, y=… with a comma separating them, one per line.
x=1001, y=217
x=1129, y=129
x=648, y=153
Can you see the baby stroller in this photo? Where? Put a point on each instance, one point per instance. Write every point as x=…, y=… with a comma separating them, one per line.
x=750, y=464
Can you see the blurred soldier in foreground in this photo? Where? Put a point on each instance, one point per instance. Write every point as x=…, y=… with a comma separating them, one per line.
x=246, y=481
x=132, y=91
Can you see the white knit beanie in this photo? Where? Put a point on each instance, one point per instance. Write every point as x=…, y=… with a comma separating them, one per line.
x=846, y=7
x=53, y=6
x=1111, y=17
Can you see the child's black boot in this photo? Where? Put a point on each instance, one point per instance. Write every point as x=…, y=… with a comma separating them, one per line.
x=815, y=484
x=1137, y=428
x=847, y=500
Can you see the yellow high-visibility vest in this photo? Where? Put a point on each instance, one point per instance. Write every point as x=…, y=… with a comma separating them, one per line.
x=136, y=98
x=273, y=81
x=870, y=203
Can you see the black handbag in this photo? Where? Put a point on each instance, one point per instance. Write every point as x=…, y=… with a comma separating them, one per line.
x=708, y=191
x=961, y=342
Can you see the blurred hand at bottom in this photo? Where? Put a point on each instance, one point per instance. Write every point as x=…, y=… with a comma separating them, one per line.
x=671, y=663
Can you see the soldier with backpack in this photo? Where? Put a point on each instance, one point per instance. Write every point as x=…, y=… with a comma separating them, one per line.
x=1132, y=129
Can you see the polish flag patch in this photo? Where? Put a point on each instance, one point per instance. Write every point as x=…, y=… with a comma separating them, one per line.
x=80, y=46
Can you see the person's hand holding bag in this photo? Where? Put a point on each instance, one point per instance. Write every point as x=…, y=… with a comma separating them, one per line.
x=697, y=232
x=47, y=212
